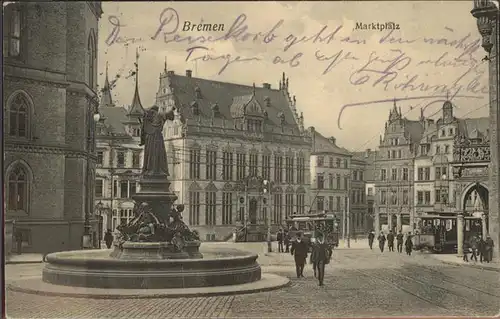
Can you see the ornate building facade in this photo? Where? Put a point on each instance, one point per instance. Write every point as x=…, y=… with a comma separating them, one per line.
x=394, y=178
x=50, y=71
x=359, y=219
x=119, y=158
x=225, y=140
x=488, y=21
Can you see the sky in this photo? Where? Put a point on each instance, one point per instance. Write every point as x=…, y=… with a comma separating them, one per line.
x=345, y=78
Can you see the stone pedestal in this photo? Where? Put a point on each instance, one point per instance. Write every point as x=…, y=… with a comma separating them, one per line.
x=460, y=234
x=155, y=190
x=156, y=251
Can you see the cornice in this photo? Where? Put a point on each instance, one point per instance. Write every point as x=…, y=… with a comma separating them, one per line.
x=35, y=81
x=47, y=149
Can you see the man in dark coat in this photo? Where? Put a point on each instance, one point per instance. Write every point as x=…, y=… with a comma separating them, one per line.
x=480, y=246
x=371, y=237
x=279, y=238
x=399, y=241
x=286, y=239
x=409, y=244
x=320, y=256
x=108, y=238
x=488, y=248
x=473, y=243
x=299, y=251
x=390, y=241
x=381, y=241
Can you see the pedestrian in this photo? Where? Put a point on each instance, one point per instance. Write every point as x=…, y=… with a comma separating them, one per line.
x=371, y=237
x=279, y=238
x=488, y=248
x=409, y=244
x=480, y=246
x=473, y=246
x=399, y=241
x=381, y=241
x=390, y=241
x=286, y=239
x=108, y=238
x=299, y=251
x=321, y=255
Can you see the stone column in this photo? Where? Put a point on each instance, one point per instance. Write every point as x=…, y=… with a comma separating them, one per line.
x=399, y=225
x=389, y=221
x=488, y=23
x=484, y=225
x=460, y=234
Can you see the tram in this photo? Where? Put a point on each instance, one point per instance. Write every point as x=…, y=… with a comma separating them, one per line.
x=310, y=224
x=439, y=233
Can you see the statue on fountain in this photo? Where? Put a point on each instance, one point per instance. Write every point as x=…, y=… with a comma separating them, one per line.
x=149, y=225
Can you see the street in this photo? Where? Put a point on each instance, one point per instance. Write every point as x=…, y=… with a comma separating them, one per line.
x=358, y=282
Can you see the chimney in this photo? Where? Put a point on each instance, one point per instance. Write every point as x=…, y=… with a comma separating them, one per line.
x=266, y=86
x=170, y=72
x=189, y=73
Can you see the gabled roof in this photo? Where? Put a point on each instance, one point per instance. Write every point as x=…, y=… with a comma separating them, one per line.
x=113, y=119
x=474, y=127
x=322, y=144
x=228, y=96
x=136, y=108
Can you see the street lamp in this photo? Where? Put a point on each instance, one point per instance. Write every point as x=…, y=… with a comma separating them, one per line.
x=267, y=190
x=99, y=208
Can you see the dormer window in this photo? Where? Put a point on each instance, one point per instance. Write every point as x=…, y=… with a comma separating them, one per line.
x=215, y=110
x=194, y=108
x=254, y=126
x=197, y=92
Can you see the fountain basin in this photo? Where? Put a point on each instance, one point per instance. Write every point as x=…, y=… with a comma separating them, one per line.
x=97, y=269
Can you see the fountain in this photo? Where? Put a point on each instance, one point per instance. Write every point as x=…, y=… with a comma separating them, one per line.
x=157, y=252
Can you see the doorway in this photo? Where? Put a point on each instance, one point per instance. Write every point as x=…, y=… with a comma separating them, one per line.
x=252, y=211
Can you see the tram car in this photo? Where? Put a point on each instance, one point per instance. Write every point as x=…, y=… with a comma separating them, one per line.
x=439, y=233
x=309, y=225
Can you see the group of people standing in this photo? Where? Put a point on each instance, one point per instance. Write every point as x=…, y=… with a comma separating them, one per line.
x=479, y=246
x=321, y=254
x=283, y=238
x=390, y=241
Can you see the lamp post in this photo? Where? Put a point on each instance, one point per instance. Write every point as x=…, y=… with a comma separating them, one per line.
x=94, y=104
x=267, y=190
x=98, y=209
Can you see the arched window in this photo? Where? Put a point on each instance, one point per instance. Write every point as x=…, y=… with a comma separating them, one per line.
x=91, y=47
x=19, y=116
x=18, y=188
x=13, y=30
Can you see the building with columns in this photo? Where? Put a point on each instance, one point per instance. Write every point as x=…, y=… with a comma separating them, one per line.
x=119, y=157
x=394, y=175
x=49, y=82
x=225, y=140
x=488, y=21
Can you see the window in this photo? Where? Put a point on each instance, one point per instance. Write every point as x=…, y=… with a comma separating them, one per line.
x=266, y=167
x=399, y=153
x=330, y=159
x=227, y=208
x=91, y=51
x=120, y=156
x=320, y=203
x=438, y=149
x=100, y=158
x=446, y=149
x=420, y=198
x=194, y=164
x=13, y=26
x=99, y=185
x=394, y=174
x=370, y=191
x=210, y=208
x=301, y=170
x=240, y=166
x=211, y=172
x=437, y=193
x=132, y=188
x=18, y=190
x=420, y=173
x=346, y=182
x=346, y=163
x=338, y=181
x=330, y=181
x=289, y=170
x=136, y=155
x=389, y=154
x=194, y=208
x=443, y=133
x=405, y=174
x=320, y=181
x=300, y=203
x=383, y=197
x=394, y=197
x=277, y=211
x=427, y=197
x=288, y=205
x=355, y=175
x=451, y=131
x=253, y=164
x=361, y=177
x=19, y=116
x=124, y=189
x=393, y=154
x=278, y=169
x=115, y=188
x=427, y=173
x=227, y=166
x=383, y=175
x=438, y=173
x=339, y=201
x=338, y=162
x=406, y=198
x=320, y=161
x=254, y=126
x=330, y=203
